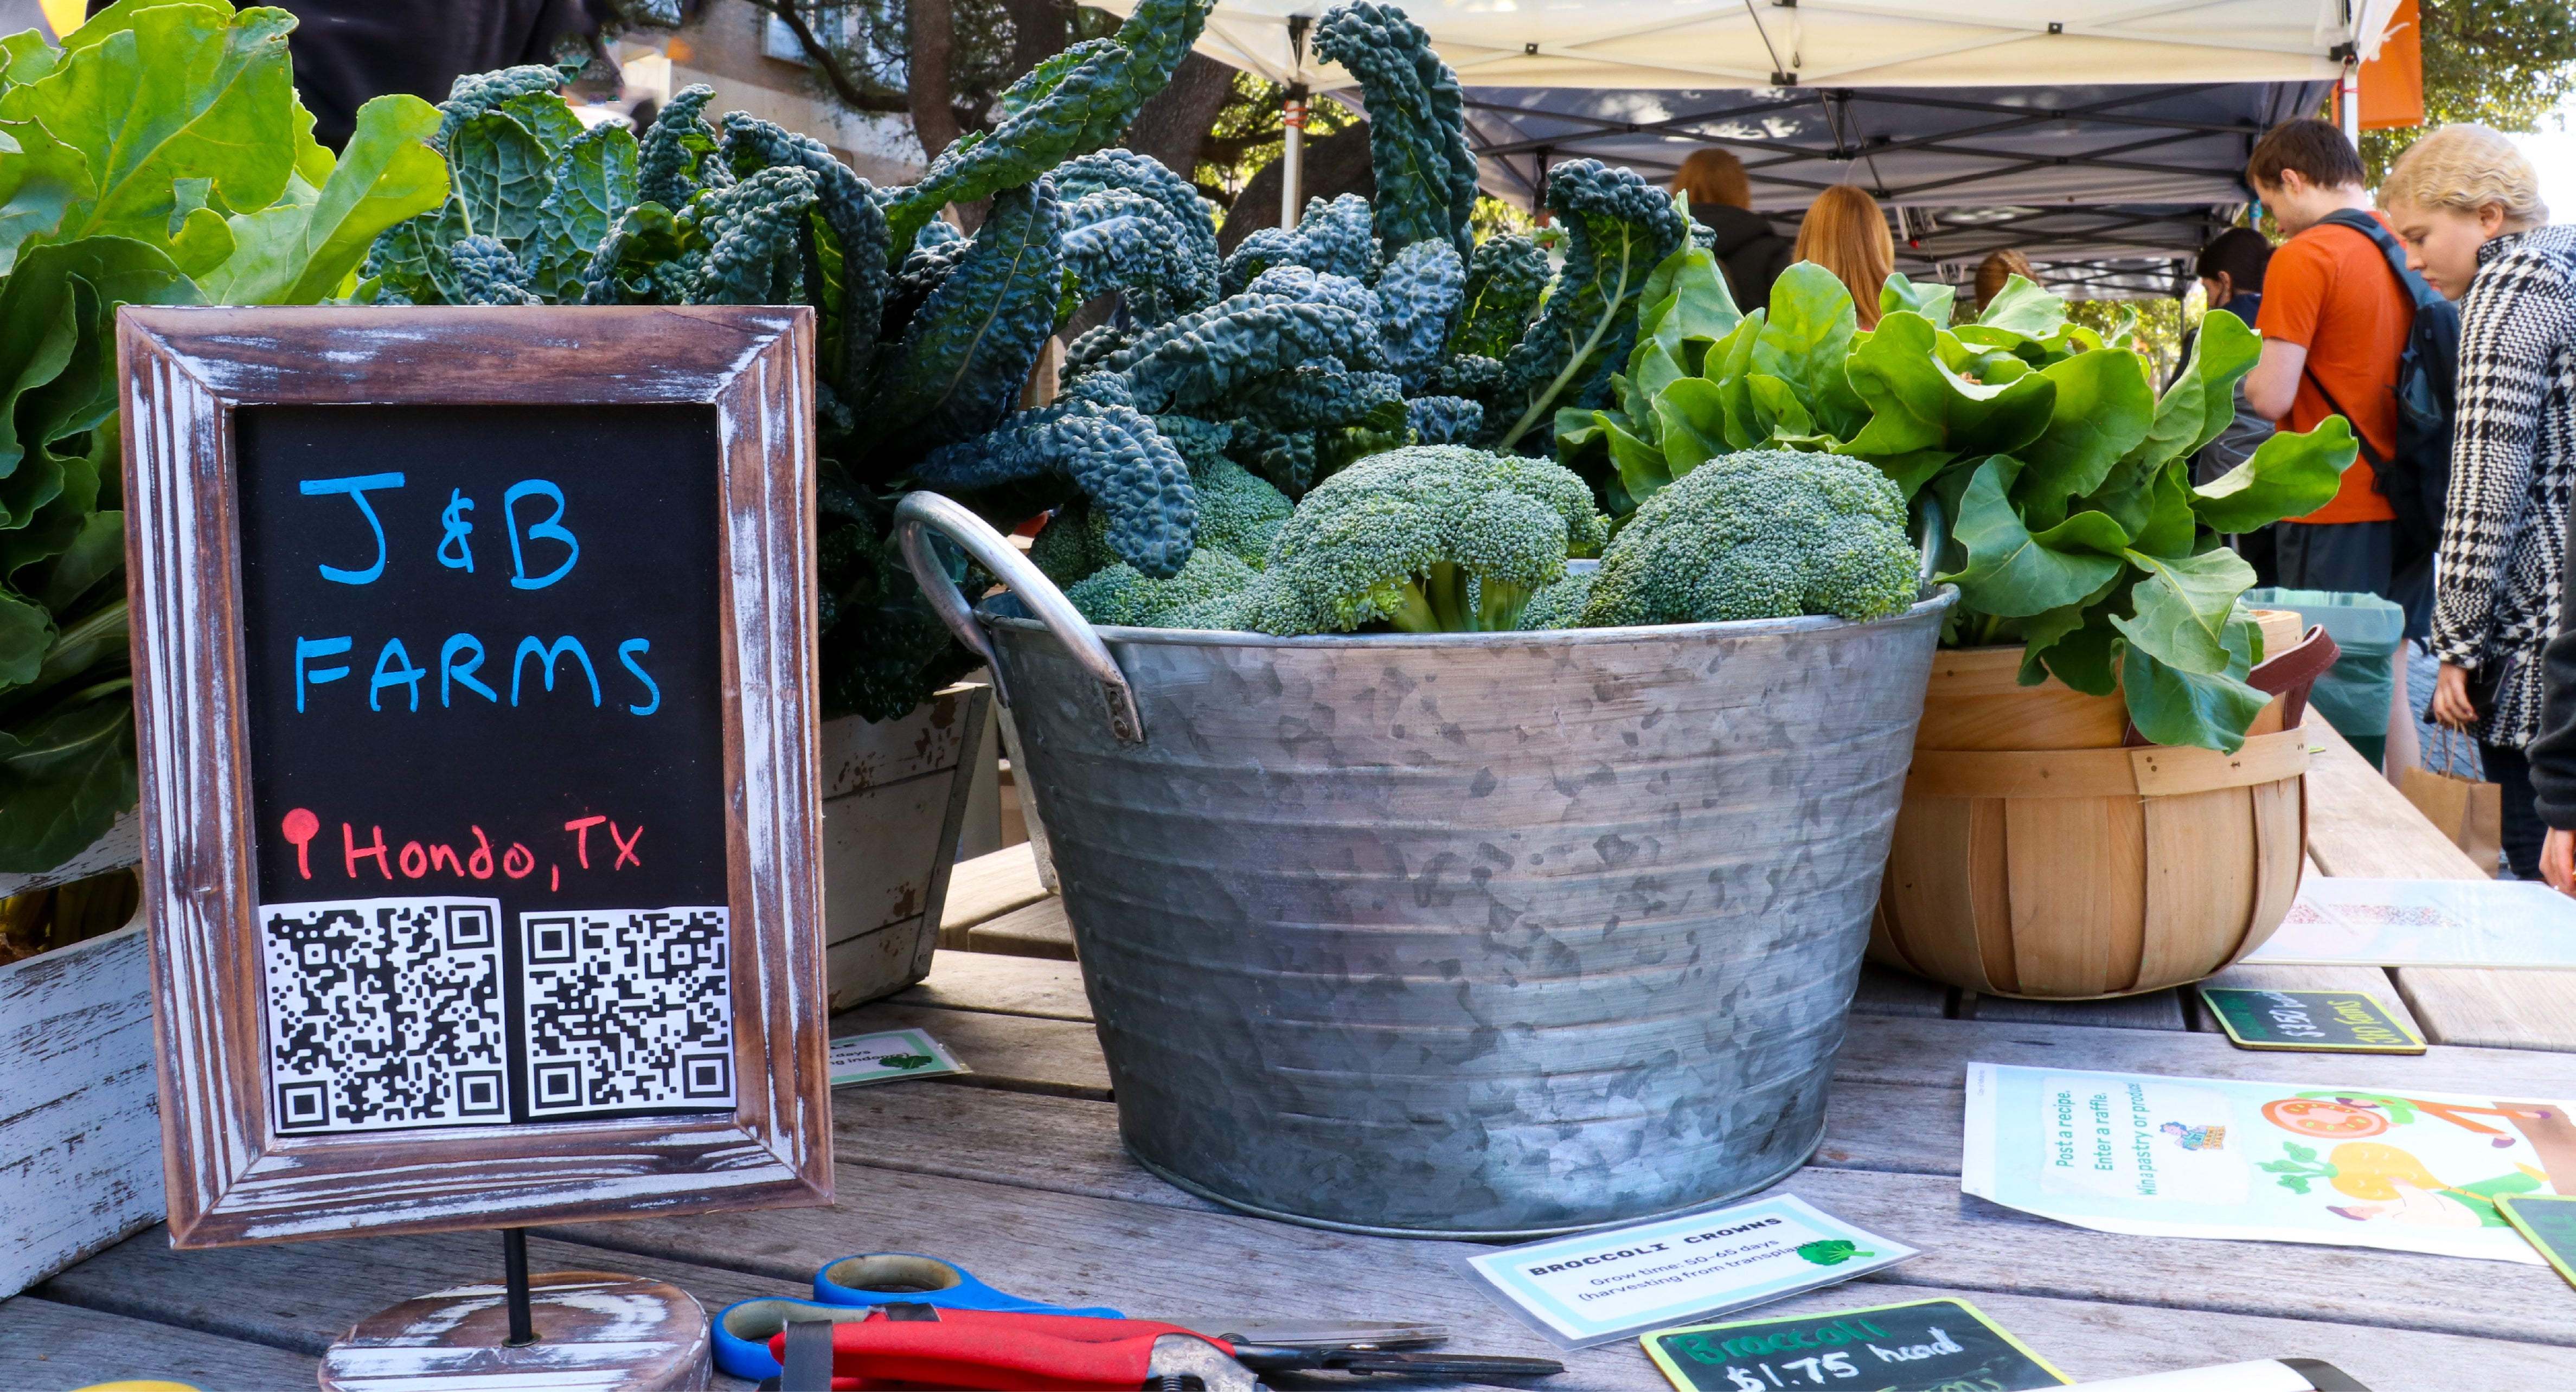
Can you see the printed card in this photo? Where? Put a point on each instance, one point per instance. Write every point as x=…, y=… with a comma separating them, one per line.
x=2317, y=1022
x=2548, y=1223
x=1595, y=1287
x=878, y=1058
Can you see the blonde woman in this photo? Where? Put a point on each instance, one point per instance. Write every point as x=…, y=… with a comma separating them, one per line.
x=1997, y=271
x=1846, y=234
x=2467, y=205
x=1750, y=251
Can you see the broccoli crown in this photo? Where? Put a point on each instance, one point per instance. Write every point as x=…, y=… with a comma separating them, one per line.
x=1765, y=534
x=1560, y=605
x=1429, y=539
x=1073, y=545
x=1122, y=594
x=1239, y=512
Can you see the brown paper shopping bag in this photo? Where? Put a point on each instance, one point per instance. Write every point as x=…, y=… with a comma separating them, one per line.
x=2469, y=812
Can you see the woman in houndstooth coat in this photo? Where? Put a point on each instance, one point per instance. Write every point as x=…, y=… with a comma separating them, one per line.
x=2467, y=205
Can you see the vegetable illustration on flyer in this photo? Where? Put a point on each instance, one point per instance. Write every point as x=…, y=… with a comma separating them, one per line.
x=2194, y=1157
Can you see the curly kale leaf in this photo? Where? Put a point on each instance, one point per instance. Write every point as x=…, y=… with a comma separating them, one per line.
x=923, y=272
x=1208, y=356
x=882, y=650
x=646, y=258
x=498, y=172
x=1320, y=394
x=409, y=259
x=1135, y=480
x=1334, y=238
x=472, y=94
x=679, y=151
x=845, y=272
x=753, y=233
x=965, y=355
x=1426, y=174
x=1505, y=278
x=1072, y=104
x=1115, y=240
x=591, y=183
x=1317, y=287
x=487, y=274
x=1103, y=170
x=1419, y=291
x=939, y=232
x=1620, y=228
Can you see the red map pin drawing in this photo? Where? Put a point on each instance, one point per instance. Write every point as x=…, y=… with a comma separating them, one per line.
x=301, y=826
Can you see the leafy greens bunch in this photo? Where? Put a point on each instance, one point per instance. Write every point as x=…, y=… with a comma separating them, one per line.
x=2077, y=531
x=925, y=333
x=159, y=156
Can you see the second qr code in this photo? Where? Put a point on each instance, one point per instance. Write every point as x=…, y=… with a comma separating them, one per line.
x=627, y=1010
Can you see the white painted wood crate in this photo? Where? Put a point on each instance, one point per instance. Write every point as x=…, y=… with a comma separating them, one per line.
x=894, y=793
x=80, y=1122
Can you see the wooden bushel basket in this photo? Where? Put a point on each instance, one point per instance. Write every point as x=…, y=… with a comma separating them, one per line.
x=2037, y=856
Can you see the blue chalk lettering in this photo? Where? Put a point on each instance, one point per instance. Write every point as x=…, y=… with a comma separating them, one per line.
x=627, y=652
x=457, y=530
x=356, y=487
x=552, y=529
x=449, y=667
x=393, y=668
x=316, y=647
x=546, y=658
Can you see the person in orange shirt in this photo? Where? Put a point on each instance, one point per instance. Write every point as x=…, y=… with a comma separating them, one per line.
x=2334, y=322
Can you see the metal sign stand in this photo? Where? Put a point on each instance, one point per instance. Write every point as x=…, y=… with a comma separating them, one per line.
x=597, y=1329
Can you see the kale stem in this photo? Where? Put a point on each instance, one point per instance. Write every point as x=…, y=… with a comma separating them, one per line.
x=1600, y=326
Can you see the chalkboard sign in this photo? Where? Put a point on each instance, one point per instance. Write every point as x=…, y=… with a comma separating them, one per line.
x=2328, y=1022
x=1922, y=1346
x=2548, y=1222
x=475, y=698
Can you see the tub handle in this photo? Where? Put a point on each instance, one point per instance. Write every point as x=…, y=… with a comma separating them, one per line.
x=921, y=512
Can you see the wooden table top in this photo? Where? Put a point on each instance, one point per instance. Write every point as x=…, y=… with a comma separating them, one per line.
x=1016, y=1173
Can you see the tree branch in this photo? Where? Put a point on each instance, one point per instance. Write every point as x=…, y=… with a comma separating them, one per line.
x=828, y=62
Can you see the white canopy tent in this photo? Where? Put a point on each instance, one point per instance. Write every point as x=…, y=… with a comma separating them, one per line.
x=2105, y=138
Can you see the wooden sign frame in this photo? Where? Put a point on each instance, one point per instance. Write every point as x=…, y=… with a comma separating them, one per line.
x=231, y=1178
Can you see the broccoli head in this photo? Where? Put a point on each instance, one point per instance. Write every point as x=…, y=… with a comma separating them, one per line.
x=1560, y=605
x=1122, y=594
x=1427, y=539
x=1765, y=534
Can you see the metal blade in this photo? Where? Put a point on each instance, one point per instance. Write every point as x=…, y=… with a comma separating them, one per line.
x=1308, y=1333
x=1281, y=1358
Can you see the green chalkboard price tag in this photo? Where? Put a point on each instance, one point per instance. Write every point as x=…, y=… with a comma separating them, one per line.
x=1921, y=1346
x=2329, y=1022
x=2549, y=1221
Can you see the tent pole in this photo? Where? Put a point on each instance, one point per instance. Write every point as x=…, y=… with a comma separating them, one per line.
x=1292, y=118
x=2348, y=101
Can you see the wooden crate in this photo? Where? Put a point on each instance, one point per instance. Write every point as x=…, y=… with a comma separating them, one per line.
x=894, y=793
x=80, y=1122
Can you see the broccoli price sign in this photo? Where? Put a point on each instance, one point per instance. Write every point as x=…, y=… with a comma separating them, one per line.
x=476, y=711
x=1924, y=1346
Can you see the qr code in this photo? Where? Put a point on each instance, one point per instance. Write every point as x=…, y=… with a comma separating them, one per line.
x=627, y=1010
x=385, y=1013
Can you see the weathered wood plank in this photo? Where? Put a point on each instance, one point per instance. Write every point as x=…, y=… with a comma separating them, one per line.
x=2155, y=1010
x=2359, y=825
x=2374, y=980
x=1936, y=1053
x=1002, y=985
x=1035, y=930
x=2494, y=1009
x=80, y=1122
x=48, y=1345
x=1015, y=1053
x=988, y=886
x=1887, y=991
x=300, y=1296
x=1144, y=1257
x=1066, y=1145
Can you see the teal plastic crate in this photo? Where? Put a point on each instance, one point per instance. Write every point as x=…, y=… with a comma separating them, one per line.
x=2355, y=693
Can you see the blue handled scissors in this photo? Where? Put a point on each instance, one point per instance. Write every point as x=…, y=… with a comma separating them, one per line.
x=847, y=1289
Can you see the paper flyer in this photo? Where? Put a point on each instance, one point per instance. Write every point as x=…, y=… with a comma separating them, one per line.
x=2277, y=1162
x=1617, y=1283
x=878, y=1058
x=2424, y=923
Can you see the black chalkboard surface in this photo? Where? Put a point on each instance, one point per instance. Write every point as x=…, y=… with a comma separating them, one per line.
x=1922, y=1346
x=484, y=671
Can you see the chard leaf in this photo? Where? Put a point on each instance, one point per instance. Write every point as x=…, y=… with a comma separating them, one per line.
x=1806, y=342
x=25, y=56
x=2223, y=352
x=2209, y=709
x=2101, y=412
x=1691, y=421
x=1688, y=308
x=63, y=778
x=2012, y=573
x=2170, y=528
x=1919, y=403
x=151, y=95
x=1932, y=299
x=2023, y=308
x=1641, y=466
x=500, y=174
x=294, y=254
x=26, y=630
x=41, y=180
x=2184, y=605
x=2054, y=643
x=2287, y=476
x=1777, y=411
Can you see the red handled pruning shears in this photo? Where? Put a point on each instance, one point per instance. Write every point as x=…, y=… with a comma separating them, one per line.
x=917, y=1346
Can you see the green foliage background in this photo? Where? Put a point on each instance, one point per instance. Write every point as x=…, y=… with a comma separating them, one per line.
x=2503, y=63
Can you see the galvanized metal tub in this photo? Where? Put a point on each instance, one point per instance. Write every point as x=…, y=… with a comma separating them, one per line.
x=1488, y=935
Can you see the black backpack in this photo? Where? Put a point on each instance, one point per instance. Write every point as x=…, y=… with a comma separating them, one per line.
x=2415, y=479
